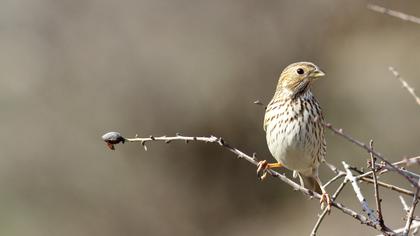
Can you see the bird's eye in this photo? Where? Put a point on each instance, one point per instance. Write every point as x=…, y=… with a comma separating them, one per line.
x=300, y=71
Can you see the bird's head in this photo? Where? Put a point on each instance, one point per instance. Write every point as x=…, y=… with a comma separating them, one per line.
x=297, y=77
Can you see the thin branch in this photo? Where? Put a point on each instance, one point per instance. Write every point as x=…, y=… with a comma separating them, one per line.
x=411, y=213
x=375, y=186
x=359, y=194
x=115, y=138
x=389, y=186
x=374, y=153
x=406, y=161
x=335, y=178
x=332, y=167
x=402, y=169
x=397, y=14
x=415, y=231
x=405, y=84
x=399, y=231
x=362, y=177
x=410, y=161
x=405, y=206
x=325, y=211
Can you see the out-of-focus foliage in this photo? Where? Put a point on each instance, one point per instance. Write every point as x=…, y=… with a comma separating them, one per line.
x=73, y=70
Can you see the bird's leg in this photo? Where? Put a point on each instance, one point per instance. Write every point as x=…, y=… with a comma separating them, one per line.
x=325, y=197
x=263, y=166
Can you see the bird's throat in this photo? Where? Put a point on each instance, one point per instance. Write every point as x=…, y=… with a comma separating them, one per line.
x=300, y=88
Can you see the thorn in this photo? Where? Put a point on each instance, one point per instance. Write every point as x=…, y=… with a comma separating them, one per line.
x=254, y=156
x=167, y=141
x=136, y=136
x=152, y=137
x=177, y=134
x=221, y=141
x=143, y=143
x=186, y=141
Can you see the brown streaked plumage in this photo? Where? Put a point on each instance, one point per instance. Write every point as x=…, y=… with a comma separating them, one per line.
x=294, y=130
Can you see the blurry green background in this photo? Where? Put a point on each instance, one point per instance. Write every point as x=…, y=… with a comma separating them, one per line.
x=73, y=70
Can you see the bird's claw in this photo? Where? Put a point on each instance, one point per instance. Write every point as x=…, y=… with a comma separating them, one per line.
x=262, y=169
x=326, y=201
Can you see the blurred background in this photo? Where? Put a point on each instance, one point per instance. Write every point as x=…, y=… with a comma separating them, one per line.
x=73, y=70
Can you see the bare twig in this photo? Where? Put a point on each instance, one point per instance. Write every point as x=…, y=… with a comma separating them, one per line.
x=374, y=153
x=325, y=211
x=212, y=139
x=406, y=161
x=335, y=178
x=362, y=176
x=405, y=84
x=359, y=194
x=397, y=14
x=332, y=167
x=415, y=231
x=399, y=231
x=411, y=213
x=405, y=206
x=410, y=161
x=402, y=169
x=389, y=186
x=375, y=185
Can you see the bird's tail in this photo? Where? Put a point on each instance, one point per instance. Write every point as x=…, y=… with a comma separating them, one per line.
x=310, y=183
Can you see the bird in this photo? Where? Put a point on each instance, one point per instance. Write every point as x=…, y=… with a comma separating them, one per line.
x=293, y=123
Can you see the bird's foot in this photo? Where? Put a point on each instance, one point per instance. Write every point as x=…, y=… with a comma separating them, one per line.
x=326, y=201
x=263, y=166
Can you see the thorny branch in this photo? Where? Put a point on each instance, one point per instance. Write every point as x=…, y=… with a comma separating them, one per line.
x=374, y=153
x=411, y=213
x=375, y=184
x=113, y=138
x=359, y=194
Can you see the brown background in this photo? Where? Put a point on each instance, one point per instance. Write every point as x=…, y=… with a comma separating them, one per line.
x=73, y=70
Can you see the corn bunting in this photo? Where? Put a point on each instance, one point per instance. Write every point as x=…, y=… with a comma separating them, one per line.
x=294, y=128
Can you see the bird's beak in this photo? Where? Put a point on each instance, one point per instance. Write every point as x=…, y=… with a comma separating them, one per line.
x=317, y=73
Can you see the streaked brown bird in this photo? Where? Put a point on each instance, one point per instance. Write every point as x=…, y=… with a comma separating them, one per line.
x=294, y=128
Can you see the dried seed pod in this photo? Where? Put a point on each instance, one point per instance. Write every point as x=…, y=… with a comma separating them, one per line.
x=112, y=138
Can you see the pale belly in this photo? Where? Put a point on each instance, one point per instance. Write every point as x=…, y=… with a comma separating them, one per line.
x=291, y=148
x=298, y=143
